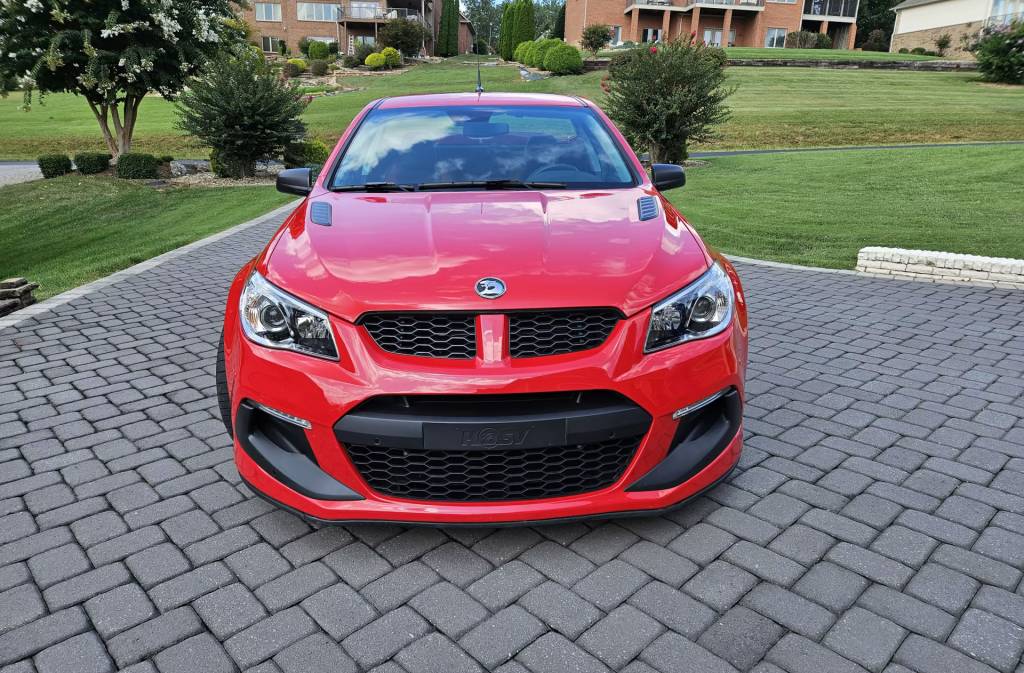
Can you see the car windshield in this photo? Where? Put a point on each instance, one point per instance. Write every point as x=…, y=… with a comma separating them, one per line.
x=488, y=147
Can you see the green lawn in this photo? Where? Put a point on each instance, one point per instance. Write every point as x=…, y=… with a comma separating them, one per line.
x=820, y=208
x=772, y=107
x=68, y=231
x=810, y=54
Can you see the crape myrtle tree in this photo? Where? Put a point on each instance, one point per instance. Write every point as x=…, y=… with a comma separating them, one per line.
x=666, y=96
x=448, y=34
x=241, y=109
x=111, y=52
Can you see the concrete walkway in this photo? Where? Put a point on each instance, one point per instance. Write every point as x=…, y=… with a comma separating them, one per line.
x=13, y=172
x=876, y=523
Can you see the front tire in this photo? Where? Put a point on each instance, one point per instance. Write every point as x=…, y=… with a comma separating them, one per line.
x=223, y=398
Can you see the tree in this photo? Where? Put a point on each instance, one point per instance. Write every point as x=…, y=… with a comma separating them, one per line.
x=664, y=97
x=242, y=110
x=111, y=52
x=506, y=46
x=545, y=14
x=404, y=35
x=595, y=37
x=875, y=15
x=448, y=33
x=877, y=41
x=485, y=15
x=524, y=23
x=559, y=28
x=942, y=43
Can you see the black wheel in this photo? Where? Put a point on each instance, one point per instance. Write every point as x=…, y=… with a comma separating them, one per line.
x=223, y=399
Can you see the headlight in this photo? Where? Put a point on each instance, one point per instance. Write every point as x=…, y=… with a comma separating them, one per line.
x=701, y=309
x=274, y=319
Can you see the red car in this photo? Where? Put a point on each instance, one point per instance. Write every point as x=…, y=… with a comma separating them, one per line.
x=483, y=311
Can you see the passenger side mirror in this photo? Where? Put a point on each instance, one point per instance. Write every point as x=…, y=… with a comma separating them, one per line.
x=298, y=181
x=645, y=159
x=667, y=176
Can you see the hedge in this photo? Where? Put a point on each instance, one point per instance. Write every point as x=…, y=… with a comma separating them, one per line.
x=89, y=163
x=563, y=59
x=53, y=165
x=137, y=166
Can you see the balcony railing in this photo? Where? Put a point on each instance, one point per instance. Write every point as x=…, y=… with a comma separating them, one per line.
x=373, y=12
x=1004, y=19
x=740, y=4
x=847, y=8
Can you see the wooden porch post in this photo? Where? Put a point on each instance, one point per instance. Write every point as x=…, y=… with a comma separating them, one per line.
x=695, y=21
x=851, y=35
x=726, y=26
x=666, y=24
x=634, y=23
x=824, y=27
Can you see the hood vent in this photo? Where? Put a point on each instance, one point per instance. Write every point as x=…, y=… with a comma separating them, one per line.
x=320, y=213
x=647, y=207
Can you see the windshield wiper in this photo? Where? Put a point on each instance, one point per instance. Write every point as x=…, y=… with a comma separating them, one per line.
x=489, y=184
x=374, y=187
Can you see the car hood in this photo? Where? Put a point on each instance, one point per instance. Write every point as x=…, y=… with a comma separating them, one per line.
x=426, y=251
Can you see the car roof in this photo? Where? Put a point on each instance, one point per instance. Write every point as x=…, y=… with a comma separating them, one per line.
x=470, y=98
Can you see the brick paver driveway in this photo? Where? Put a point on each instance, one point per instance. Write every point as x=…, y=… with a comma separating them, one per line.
x=877, y=522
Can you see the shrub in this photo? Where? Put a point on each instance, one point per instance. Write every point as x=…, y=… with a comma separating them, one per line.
x=392, y=57
x=563, y=59
x=904, y=50
x=404, y=35
x=363, y=50
x=350, y=61
x=318, y=67
x=317, y=50
x=917, y=50
x=540, y=51
x=664, y=97
x=241, y=111
x=304, y=45
x=823, y=41
x=332, y=49
x=802, y=39
x=53, y=165
x=1000, y=53
x=524, y=28
x=290, y=70
x=447, y=43
x=942, y=43
x=90, y=163
x=137, y=166
x=165, y=158
x=596, y=37
x=305, y=153
x=298, y=63
x=877, y=41
x=507, y=39
x=375, y=61
x=520, y=53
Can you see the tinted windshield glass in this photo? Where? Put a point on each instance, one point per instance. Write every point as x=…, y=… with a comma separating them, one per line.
x=563, y=146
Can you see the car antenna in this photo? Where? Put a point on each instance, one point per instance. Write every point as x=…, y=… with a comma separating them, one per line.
x=479, y=82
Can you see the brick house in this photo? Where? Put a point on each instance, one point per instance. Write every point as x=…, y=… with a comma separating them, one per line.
x=920, y=22
x=348, y=23
x=735, y=23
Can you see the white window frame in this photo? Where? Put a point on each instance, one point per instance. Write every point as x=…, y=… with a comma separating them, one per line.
x=768, y=38
x=271, y=41
x=360, y=9
x=275, y=11
x=318, y=11
x=655, y=32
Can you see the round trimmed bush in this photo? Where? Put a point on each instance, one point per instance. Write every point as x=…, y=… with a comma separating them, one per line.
x=290, y=70
x=137, y=166
x=298, y=63
x=90, y=163
x=563, y=59
x=317, y=50
x=318, y=67
x=540, y=51
x=53, y=165
x=375, y=61
x=520, y=51
x=306, y=153
x=392, y=57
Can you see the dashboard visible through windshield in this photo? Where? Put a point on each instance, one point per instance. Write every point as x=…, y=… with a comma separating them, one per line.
x=487, y=147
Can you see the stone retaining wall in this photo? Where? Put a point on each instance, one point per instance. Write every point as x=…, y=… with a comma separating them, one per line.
x=942, y=266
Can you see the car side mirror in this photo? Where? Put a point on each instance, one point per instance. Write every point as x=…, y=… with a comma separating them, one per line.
x=667, y=176
x=645, y=158
x=298, y=181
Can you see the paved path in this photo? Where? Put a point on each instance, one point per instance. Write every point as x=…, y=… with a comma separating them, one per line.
x=13, y=172
x=877, y=523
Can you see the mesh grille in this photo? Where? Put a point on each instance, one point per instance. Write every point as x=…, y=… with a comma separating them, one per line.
x=517, y=474
x=432, y=335
x=554, y=332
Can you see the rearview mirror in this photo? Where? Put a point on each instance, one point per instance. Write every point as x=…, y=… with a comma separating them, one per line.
x=298, y=181
x=667, y=176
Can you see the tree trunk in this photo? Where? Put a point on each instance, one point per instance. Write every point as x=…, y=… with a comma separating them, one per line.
x=117, y=125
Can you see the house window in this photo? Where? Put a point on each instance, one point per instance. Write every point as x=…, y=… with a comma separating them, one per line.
x=776, y=38
x=364, y=10
x=317, y=11
x=783, y=2
x=651, y=35
x=616, y=34
x=268, y=11
x=713, y=38
x=270, y=44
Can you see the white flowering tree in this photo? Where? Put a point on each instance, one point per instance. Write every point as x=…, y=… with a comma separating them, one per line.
x=111, y=52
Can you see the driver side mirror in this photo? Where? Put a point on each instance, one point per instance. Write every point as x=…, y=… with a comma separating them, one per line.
x=667, y=176
x=298, y=181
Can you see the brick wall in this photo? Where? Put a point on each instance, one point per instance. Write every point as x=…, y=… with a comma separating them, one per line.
x=926, y=39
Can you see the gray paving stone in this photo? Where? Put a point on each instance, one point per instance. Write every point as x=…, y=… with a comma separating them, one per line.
x=611, y=584
x=20, y=605
x=720, y=585
x=189, y=586
x=908, y=612
x=802, y=544
x=560, y=609
x=30, y=638
x=228, y=610
x=672, y=652
x=832, y=586
x=435, y=652
x=988, y=638
x=119, y=609
x=764, y=563
x=398, y=586
x=932, y=657
x=83, y=653
x=660, y=563
x=339, y=610
x=81, y=588
x=552, y=653
x=741, y=637
x=790, y=610
x=944, y=588
x=315, y=653
x=504, y=585
x=904, y=545
x=865, y=638
x=674, y=609
x=157, y=564
x=290, y=588
x=703, y=543
x=874, y=566
x=383, y=638
x=620, y=636
x=198, y=653
x=501, y=637
x=269, y=636
x=148, y=638
x=797, y=654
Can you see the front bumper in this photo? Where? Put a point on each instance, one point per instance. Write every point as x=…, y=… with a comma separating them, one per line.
x=327, y=393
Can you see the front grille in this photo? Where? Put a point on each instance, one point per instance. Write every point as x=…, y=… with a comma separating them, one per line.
x=432, y=335
x=493, y=475
x=533, y=334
